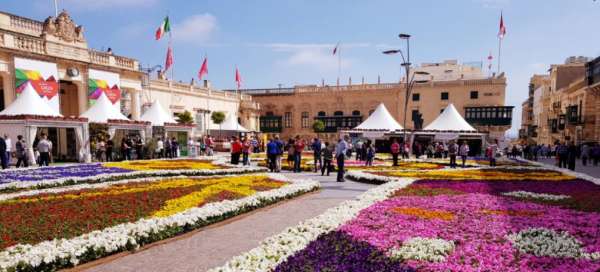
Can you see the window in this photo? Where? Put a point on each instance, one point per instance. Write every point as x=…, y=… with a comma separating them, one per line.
x=474, y=94
x=321, y=113
x=287, y=120
x=444, y=95
x=356, y=113
x=199, y=120
x=304, y=119
x=416, y=97
x=338, y=113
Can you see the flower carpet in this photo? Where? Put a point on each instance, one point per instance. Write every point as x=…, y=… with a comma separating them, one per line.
x=488, y=219
x=61, y=227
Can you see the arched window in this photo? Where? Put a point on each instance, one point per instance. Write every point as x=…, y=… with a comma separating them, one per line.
x=321, y=113
x=356, y=113
x=304, y=119
x=338, y=113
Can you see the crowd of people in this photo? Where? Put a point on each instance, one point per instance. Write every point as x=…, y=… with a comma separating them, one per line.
x=565, y=153
x=42, y=151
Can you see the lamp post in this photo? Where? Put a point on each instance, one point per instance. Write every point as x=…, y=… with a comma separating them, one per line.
x=410, y=80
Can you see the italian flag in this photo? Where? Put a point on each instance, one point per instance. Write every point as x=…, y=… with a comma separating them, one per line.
x=164, y=27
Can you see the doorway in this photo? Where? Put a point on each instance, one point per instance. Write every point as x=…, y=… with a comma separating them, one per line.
x=69, y=99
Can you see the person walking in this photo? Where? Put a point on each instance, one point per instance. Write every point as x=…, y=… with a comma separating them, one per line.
x=452, y=152
x=44, y=147
x=124, y=148
x=585, y=154
x=280, y=146
x=272, y=153
x=109, y=150
x=21, y=152
x=8, y=149
x=246, y=149
x=174, y=148
x=316, y=147
x=291, y=154
x=395, y=150
x=370, y=154
x=340, y=155
x=464, y=152
x=595, y=154
x=101, y=150
x=210, y=145
x=562, y=153
x=167, y=148
x=160, y=148
x=298, y=147
x=3, y=159
x=236, y=150
x=359, y=150
x=493, y=150
x=327, y=155
x=139, y=148
x=571, y=155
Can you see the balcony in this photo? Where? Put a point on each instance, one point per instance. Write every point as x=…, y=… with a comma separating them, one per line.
x=335, y=123
x=271, y=124
x=489, y=116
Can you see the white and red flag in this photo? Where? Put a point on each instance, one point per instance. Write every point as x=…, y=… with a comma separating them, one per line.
x=238, y=78
x=204, y=69
x=164, y=27
x=169, y=59
x=502, y=30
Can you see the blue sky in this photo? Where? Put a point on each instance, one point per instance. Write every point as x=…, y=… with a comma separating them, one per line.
x=289, y=42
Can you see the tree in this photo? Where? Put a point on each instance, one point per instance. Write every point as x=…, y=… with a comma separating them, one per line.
x=318, y=126
x=185, y=118
x=218, y=117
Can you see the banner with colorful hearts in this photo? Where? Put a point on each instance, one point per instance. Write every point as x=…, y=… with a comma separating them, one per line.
x=103, y=82
x=42, y=75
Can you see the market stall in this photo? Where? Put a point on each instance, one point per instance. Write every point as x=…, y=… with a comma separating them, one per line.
x=164, y=125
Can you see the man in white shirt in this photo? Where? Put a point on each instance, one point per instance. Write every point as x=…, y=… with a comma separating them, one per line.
x=463, y=152
x=340, y=154
x=8, y=148
x=44, y=147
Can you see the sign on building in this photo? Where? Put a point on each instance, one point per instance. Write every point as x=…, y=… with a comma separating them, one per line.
x=42, y=75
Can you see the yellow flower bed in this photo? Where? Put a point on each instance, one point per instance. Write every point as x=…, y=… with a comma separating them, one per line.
x=401, y=165
x=164, y=165
x=424, y=213
x=480, y=174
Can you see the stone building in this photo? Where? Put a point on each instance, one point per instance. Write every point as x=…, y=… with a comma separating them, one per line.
x=564, y=104
x=292, y=111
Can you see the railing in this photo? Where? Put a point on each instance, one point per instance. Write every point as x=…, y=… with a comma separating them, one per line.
x=30, y=44
x=489, y=116
x=334, y=123
x=125, y=62
x=271, y=124
x=99, y=57
x=26, y=24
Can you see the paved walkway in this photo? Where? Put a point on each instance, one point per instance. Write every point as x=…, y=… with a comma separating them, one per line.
x=589, y=169
x=214, y=246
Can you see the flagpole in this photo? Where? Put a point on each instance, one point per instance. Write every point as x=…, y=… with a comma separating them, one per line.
x=499, y=53
x=56, y=8
x=339, y=63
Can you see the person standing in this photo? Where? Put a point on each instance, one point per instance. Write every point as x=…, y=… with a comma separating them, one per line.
x=44, y=146
x=174, y=148
x=236, y=150
x=340, y=155
x=291, y=154
x=246, y=149
x=8, y=149
x=571, y=155
x=585, y=154
x=493, y=150
x=124, y=148
x=464, y=152
x=3, y=159
x=370, y=154
x=191, y=147
x=210, y=145
x=327, y=155
x=359, y=150
x=316, y=147
x=21, y=152
x=101, y=150
x=395, y=150
x=452, y=151
x=280, y=146
x=298, y=147
x=272, y=153
x=109, y=150
x=562, y=153
x=160, y=148
x=167, y=148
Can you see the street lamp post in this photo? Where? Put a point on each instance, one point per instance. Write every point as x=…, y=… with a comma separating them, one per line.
x=410, y=80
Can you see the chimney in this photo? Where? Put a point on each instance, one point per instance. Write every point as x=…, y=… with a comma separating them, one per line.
x=207, y=84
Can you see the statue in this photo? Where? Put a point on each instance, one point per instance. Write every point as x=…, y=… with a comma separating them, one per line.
x=63, y=28
x=49, y=26
x=79, y=34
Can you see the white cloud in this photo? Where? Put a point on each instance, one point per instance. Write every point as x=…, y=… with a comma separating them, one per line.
x=197, y=29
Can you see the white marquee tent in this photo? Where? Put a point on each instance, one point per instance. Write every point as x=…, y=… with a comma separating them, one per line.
x=231, y=124
x=377, y=124
x=157, y=115
x=449, y=120
x=102, y=111
x=29, y=103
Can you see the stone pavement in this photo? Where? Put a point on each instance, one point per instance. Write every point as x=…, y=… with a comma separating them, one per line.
x=589, y=169
x=214, y=246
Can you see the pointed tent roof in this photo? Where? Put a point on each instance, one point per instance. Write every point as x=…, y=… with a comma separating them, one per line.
x=449, y=120
x=157, y=115
x=103, y=110
x=29, y=102
x=380, y=119
x=232, y=124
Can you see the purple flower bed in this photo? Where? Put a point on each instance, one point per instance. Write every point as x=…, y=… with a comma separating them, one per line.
x=50, y=173
x=337, y=251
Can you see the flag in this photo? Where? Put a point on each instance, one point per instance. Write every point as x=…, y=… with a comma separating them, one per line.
x=204, y=69
x=238, y=78
x=336, y=48
x=169, y=60
x=164, y=27
x=502, y=30
x=490, y=58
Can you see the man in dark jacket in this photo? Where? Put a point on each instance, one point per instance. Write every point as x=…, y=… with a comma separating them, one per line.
x=316, y=147
x=3, y=158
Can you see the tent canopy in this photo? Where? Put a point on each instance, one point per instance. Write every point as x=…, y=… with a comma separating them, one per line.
x=449, y=120
x=29, y=102
x=157, y=115
x=380, y=119
x=232, y=124
x=102, y=111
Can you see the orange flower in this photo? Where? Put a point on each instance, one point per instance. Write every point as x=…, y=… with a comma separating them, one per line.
x=424, y=213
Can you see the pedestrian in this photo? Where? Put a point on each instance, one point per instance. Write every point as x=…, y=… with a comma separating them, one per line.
x=160, y=148
x=298, y=147
x=210, y=145
x=340, y=155
x=491, y=153
x=44, y=146
x=139, y=148
x=452, y=152
x=464, y=152
x=191, y=147
x=585, y=154
x=571, y=155
x=405, y=151
x=246, y=150
x=370, y=154
x=109, y=150
x=101, y=150
x=316, y=147
x=174, y=148
x=8, y=149
x=562, y=153
x=280, y=146
x=167, y=148
x=124, y=149
x=359, y=150
x=21, y=152
x=236, y=150
x=327, y=155
x=272, y=153
x=395, y=150
x=3, y=159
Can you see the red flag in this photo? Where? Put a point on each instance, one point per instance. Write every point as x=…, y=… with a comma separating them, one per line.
x=336, y=48
x=502, y=30
x=169, y=60
x=204, y=69
x=238, y=78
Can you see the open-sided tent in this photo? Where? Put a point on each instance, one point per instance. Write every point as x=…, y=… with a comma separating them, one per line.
x=377, y=124
x=231, y=124
x=157, y=115
x=29, y=112
x=449, y=120
x=164, y=124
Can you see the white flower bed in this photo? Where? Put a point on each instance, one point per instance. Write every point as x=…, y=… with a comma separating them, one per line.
x=542, y=196
x=276, y=249
x=61, y=252
x=423, y=249
x=543, y=242
x=233, y=169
